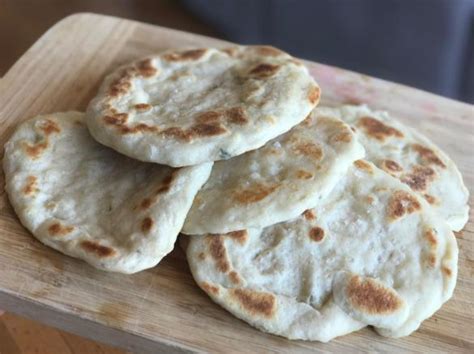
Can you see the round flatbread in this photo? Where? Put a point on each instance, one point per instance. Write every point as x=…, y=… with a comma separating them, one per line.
x=372, y=253
x=410, y=157
x=87, y=201
x=182, y=108
x=277, y=182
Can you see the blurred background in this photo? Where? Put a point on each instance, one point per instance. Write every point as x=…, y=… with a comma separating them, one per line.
x=427, y=44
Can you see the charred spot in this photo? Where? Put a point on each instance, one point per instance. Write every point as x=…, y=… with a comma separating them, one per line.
x=57, y=229
x=264, y=70
x=98, y=249
x=146, y=203
x=431, y=260
x=364, y=166
x=419, y=178
x=240, y=236
x=254, y=193
x=268, y=51
x=430, y=236
x=391, y=166
x=401, y=203
x=234, y=277
x=254, y=302
x=309, y=149
x=372, y=297
x=122, y=83
x=147, y=224
x=378, y=130
x=429, y=198
x=208, y=117
x=117, y=119
x=313, y=95
x=309, y=214
x=146, y=68
x=448, y=272
x=302, y=174
x=344, y=137
x=142, y=107
x=209, y=288
x=218, y=252
x=31, y=186
x=34, y=151
x=428, y=156
x=316, y=234
x=188, y=55
x=49, y=127
x=177, y=133
x=207, y=129
x=201, y=256
x=236, y=115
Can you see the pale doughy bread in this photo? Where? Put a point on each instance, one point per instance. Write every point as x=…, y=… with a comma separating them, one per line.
x=410, y=157
x=89, y=202
x=372, y=253
x=277, y=182
x=187, y=107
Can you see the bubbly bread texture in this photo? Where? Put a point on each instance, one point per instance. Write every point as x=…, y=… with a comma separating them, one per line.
x=277, y=182
x=87, y=201
x=192, y=106
x=372, y=253
x=410, y=157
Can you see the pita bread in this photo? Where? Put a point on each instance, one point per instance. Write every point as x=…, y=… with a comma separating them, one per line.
x=88, y=201
x=372, y=253
x=182, y=108
x=410, y=157
x=276, y=182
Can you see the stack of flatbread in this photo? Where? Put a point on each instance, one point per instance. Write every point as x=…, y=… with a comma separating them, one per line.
x=306, y=222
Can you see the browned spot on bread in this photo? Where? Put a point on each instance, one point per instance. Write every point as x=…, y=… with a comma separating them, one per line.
x=218, y=252
x=378, y=130
x=431, y=260
x=309, y=149
x=364, y=166
x=430, y=236
x=31, y=185
x=231, y=51
x=98, y=249
x=147, y=224
x=391, y=166
x=177, y=133
x=117, y=119
x=419, y=178
x=201, y=256
x=428, y=155
x=146, y=68
x=344, y=137
x=49, y=127
x=268, y=51
x=57, y=229
x=401, y=203
x=372, y=297
x=264, y=70
x=143, y=107
x=430, y=199
x=254, y=193
x=234, y=277
x=34, y=151
x=236, y=115
x=313, y=94
x=353, y=129
x=254, y=302
x=301, y=174
x=146, y=203
x=208, y=117
x=122, y=83
x=209, y=288
x=240, y=236
x=188, y=55
x=448, y=272
x=316, y=234
x=210, y=129
x=309, y=214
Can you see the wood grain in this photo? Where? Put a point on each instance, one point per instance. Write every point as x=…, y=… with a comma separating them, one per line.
x=162, y=308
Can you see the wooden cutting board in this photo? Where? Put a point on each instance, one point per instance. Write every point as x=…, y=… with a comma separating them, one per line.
x=162, y=308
